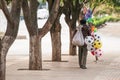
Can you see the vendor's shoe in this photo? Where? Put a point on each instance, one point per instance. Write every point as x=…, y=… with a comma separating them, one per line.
x=83, y=67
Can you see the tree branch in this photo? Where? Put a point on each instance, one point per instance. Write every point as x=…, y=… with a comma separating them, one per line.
x=51, y=19
x=30, y=15
x=67, y=11
x=6, y=11
x=27, y=16
x=33, y=12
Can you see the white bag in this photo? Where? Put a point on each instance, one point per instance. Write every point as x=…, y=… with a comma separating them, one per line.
x=78, y=39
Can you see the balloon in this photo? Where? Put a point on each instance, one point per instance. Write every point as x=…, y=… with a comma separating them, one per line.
x=98, y=52
x=88, y=14
x=87, y=17
x=93, y=53
x=89, y=40
x=97, y=44
x=92, y=28
x=90, y=48
x=89, y=20
x=92, y=34
x=95, y=29
x=89, y=11
x=96, y=36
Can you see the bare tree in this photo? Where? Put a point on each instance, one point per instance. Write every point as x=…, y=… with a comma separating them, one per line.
x=11, y=32
x=36, y=34
x=55, y=32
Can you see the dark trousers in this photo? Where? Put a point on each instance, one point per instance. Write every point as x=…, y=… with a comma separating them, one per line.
x=82, y=55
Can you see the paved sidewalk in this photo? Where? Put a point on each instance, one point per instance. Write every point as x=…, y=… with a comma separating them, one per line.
x=111, y=72
x=106, y=69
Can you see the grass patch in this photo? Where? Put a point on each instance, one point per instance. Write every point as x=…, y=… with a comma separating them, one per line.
x=99, y=21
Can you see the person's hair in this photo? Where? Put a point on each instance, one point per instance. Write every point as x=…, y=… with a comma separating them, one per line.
x=83, y=21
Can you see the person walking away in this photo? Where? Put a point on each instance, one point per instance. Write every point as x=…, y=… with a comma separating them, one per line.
x=82, y=50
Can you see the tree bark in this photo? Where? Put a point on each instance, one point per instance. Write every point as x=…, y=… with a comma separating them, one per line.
x=3, y=6
x=2, y=67
x=2, y=64
x=11, y=32
x=71, y=12
x=5, y=45
x=30, y=15
x=56, y=41
x=72, y=28
x=53, y=15
x=55, y=34
x=35, y=62
x=72, y=48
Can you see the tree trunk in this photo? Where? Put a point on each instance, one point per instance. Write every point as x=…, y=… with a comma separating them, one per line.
x=72, y=48
x=56, y=41
x=4, y=47
x=55, y=35
x=72, y=28
x=11, y=32
x=35, y=62
x=30, y=15
x=2, y=63
x=2, y=67
x=71, y=12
